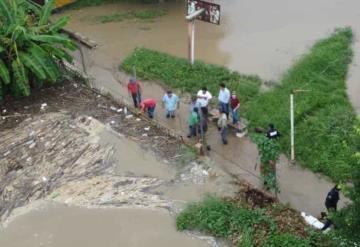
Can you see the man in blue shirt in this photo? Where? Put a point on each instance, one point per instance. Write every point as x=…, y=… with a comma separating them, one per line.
x=224, y=99
x=171, y=103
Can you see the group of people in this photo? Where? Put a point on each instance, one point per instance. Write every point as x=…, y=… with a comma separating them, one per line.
x=228, y=103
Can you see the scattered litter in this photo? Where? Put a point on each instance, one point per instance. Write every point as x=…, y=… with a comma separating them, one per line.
x=129, y=116
x=42, y=107
x=147, y=128
x=138, y=119
x=119, y=110
x=32, y=145
x=28, y=159
x=89, y=118
x=113, y=108
x=112, y=122
x=98, y=96
x=311, y=220
x=4, y=111
x=240, y=135
x=125, y=110
x=32, y=133
x=75, y=85
x=145, y=134
x=7, y=153
x=44, y=179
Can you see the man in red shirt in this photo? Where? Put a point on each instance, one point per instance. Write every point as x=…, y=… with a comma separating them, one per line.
x=235, y=105
x=134, y=90
x=148, y=105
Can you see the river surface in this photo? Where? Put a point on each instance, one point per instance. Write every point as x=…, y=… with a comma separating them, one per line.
x=60, y=226
x=255, y=37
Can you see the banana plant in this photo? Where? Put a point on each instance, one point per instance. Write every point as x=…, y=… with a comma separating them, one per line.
x=30, y=46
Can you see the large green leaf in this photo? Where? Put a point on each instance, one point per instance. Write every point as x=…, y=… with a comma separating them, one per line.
x=57, y=52
x=4, y=72
x=5, y=12
x=46, y=12
x=59, y=24
x=20, y=78
x=47, y=38
x=45, y=61
x=32, y=65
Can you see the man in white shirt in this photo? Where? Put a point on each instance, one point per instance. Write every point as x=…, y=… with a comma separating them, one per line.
x=203, y=99
x=224, y=99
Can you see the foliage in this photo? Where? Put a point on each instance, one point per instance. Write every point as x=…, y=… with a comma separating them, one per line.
x=348, y=219
x=248, y=227
x=179, y=74
x=136, y=14
x=269, y=151
x=324, y=117
x=30, y=47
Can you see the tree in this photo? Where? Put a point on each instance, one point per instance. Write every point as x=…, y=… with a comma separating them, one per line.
x=30, y=47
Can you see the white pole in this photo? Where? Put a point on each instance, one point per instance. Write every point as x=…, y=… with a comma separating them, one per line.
x=292, y=127
x=192, y=41
x=190, y=38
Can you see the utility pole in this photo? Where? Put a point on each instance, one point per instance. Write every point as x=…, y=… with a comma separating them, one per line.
x=191, y=32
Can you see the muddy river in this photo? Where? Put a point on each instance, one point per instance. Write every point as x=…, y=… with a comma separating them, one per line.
x=255, y=37
x=59, y=226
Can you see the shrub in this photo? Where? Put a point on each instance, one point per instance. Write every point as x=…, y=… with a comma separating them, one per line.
x=30, y=47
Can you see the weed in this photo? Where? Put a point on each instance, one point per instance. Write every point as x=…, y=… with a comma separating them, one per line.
x=86, y=3
x=131, y=15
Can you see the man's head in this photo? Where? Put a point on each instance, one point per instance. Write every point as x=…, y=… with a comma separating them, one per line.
x=337, y=187
x=222, y=86
x=233, y=94
x=204, y=90
x=169, y=93
x=132, y=80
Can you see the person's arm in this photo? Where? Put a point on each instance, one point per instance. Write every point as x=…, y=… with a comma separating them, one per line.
x=237, y=106
x=163, y=102
x=139, y=87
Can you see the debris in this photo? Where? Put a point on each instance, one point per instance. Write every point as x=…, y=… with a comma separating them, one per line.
x=112, y=122
x=125, y=110
x=113, y=108
x=311, y=220
x=145, y=134
x=75, y=85
x=98, y=96
x=7, y=153
x=32, y=145
x=147, y=128
x=129, y=116
x=138, y=119
x=119, y=110
x=4, y=111
x=44, y=179
x=43, y=106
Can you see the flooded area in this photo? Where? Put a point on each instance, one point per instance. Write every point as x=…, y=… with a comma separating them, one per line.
x=59, y=226
x=254, y=37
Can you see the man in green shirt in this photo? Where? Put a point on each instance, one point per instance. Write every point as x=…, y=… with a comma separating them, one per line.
x=193, y=122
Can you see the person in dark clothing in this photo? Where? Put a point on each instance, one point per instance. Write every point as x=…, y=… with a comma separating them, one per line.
x=332, y=198
x=272, y=133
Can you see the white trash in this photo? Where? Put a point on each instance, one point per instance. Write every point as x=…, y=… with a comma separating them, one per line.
x=311, y=220
x=147, y=128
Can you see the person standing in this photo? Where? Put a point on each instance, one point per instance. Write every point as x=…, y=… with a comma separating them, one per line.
x=134, y=89
x=193, y=122
x=148, y=105
x=203, y=99
x=224, y=99
x=222, y=126
x=171, y=103
x=332, y=198
x=235, y=106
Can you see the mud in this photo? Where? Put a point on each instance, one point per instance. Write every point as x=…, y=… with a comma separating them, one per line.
x=59, y=225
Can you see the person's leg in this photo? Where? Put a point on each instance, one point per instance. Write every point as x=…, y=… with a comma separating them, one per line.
x=135, y=99
x=167, y=113
x=151, y=111
x=138, y=98
x=172, y=114
x=227, y=109
x=224, y=135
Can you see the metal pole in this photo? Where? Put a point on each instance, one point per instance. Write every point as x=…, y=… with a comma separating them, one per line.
x=292, y=127
x=192, y=41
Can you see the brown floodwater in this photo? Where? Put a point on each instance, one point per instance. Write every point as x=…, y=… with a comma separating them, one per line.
x=60, y=226
x=255, y=37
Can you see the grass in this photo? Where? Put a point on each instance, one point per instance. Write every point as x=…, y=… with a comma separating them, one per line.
x=324, y=117
x=177, y=73
x=243, y=226
x=131, y=15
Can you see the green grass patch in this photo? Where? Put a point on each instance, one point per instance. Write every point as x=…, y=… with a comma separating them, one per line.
x=324, y=117
x=242, y=226
x=148, y=15
x=178, y=74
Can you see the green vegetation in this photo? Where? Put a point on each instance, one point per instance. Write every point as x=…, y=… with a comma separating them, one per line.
x=177, y=73
x=131, y=15
x=348, y=219
x=30, y=47
x=324, y=117
x=86, y=3
x=269, y=152
x=243, y=226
